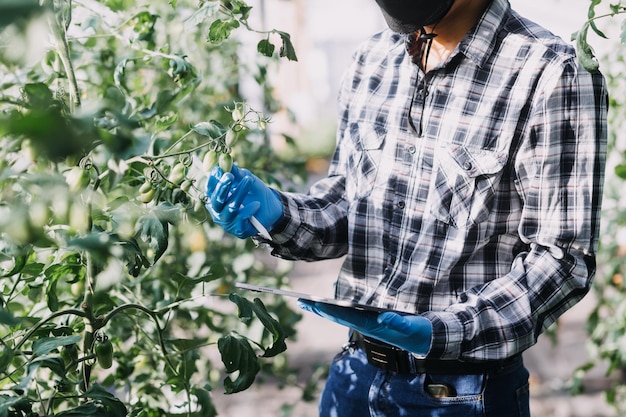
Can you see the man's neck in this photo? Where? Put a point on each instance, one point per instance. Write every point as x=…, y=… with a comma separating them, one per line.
x=453, y=27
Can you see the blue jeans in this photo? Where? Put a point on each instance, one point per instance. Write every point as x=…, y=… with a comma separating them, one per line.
x=357, y=389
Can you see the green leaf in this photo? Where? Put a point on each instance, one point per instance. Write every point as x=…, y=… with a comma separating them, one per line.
x=220, y=30
x=39, y=95
x=134, y=256
x=620, y=171
x=212, y=129
x=5, y=358
x=70, y=268
x=216, y=271
x=207, y=408
x=586, y=56
x=207, y=10
x=51, y=132
x=184, y=345
x=287, y=50
x=155, y=232
x=114, y=407
x=270, y=324
x=46, y=345
x=241, y=8
x=164, y=121
x=11, y=404
x=14, y=10
x=52, y=362
x=96, y=243
x=19, y=262
x=86, y=409
x=238, y=356
x=144, y=25
x=7, y=318
x=52, y=299
x=246, y=309
x=168, y=213
x=265, y=47
x=32, y=269
x=119, y=76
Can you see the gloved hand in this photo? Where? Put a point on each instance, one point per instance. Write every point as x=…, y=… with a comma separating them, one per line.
x=235, y=196
x=406, y=331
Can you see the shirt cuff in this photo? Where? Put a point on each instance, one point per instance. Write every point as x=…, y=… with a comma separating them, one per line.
x=287, y=226
x=447, y=336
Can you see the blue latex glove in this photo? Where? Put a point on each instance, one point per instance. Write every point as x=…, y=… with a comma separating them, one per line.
x=235, y=196
x=406, y=331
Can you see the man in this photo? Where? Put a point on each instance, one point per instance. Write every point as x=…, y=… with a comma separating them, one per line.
x=465, y=194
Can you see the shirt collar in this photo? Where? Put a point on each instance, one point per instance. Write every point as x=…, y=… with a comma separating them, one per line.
x=479, y=43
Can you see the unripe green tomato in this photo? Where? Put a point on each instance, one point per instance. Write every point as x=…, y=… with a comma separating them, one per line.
x=231, y=137
x=104, y=354
x=177, y=174
x=145, y=187
x=72, y=160
x=19, y=229
x=225, y=162
x=186, y=185
x=28, y=150
x=39, y=214
x=198, y=206
x=209, y=160
x=237, y=114
x=147, y=196
x=79, y=217
x=77, y=179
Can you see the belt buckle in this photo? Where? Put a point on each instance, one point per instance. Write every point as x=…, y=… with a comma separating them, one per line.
x=387, y=357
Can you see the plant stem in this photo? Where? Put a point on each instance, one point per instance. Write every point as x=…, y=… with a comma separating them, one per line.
x=152, y=315
x=63, y=49
x=43, y=321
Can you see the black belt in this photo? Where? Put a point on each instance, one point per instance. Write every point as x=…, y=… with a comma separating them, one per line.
x=393, y=359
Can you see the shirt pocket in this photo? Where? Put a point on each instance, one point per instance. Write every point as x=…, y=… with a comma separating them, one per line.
x=464, y=184
x=367, y=141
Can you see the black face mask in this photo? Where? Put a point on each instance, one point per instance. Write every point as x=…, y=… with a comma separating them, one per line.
x=406, y=16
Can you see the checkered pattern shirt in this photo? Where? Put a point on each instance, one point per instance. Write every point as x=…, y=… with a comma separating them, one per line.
x=469, y=194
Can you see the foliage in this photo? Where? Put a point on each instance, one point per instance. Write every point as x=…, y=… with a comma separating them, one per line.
x=115, y=285
x=607, y=322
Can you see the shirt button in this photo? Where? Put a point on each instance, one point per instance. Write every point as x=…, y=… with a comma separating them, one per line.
x=467, y=165
x=401, y=204
x=411, y=149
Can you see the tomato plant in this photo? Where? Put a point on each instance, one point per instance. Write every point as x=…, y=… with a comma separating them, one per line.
x=115, y=287
x=606, y=324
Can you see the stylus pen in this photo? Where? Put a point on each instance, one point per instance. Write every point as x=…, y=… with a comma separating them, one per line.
x=258, y=226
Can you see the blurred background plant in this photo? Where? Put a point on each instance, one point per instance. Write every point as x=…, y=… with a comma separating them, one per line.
x=605, y=31
x=116, y=290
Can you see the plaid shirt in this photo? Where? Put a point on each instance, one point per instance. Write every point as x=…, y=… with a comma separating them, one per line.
x=469, y=194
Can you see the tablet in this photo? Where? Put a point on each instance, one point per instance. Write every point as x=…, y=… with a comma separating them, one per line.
x=310, y=297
